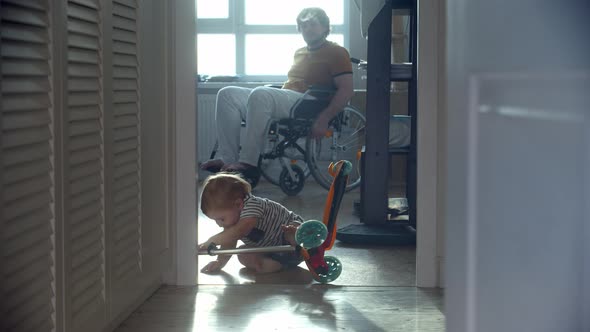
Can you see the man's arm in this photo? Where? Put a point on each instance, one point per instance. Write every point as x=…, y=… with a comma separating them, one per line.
x=344, y=91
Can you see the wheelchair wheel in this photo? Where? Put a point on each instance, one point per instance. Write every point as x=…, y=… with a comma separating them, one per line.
x=270, y=164
x=271, y=169
x=291, y=186
x=344, y=141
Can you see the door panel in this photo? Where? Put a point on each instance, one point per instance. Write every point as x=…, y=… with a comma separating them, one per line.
x=27, y=220
x=84, y=168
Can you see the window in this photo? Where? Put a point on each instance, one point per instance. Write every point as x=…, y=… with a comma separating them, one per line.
x=255, y=39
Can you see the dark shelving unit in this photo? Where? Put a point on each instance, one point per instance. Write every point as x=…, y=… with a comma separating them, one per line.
x=375, y=227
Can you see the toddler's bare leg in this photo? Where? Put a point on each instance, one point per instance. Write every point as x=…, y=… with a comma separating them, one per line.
x=259, y=263
x=268, y=265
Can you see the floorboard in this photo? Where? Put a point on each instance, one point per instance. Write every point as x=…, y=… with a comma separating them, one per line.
x=289, y=308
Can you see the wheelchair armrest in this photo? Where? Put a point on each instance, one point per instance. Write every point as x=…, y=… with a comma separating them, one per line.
x=321, y=89
x=314, y=100
x=311, y=90
x=278, y=86
x=320, y=92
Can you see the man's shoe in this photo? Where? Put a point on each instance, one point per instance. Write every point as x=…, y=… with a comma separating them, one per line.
x=213, y=166
x=250, y=174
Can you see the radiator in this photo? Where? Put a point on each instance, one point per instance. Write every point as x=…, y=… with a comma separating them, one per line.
x=206, y=136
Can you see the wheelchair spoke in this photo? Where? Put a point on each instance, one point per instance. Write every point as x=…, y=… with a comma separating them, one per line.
x=345, y=143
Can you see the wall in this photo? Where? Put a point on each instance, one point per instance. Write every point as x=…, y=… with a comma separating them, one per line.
x=518, y=166
x=430, y=242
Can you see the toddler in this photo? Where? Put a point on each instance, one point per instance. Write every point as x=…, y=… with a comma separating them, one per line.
x=257, y=222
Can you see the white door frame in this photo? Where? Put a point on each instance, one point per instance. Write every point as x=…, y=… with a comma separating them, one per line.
x=429, y=220
x=180, y=20
x=182, y=101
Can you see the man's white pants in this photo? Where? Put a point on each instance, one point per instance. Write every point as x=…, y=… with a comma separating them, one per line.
x=257, y=106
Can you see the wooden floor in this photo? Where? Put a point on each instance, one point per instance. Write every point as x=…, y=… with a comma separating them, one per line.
x=375, y=291
x=288, y=308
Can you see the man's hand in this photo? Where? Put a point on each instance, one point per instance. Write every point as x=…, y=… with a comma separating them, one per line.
x=320, y=126
x=344, y=91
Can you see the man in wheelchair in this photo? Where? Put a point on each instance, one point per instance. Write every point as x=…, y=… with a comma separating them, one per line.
x=320, y=63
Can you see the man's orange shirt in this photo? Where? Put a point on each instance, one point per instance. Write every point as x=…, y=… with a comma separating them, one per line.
x=318, y=67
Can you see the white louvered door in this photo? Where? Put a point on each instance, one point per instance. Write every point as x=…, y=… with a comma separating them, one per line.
x=125, y=144
x=27, y=187
x=84, y=226
x=124, y=149
x=77, y=253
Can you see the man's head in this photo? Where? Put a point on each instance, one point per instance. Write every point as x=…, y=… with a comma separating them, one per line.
x=314, y=25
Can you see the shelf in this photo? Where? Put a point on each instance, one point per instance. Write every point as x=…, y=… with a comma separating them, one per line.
x=402, y=4
x=401, y=72
x=374, y=209
x=399, y=150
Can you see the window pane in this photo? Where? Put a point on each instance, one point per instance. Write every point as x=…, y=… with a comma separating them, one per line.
x=337, y=38
x=259, y=61
x=284, y=12
x=212, y=8
x=216, y=54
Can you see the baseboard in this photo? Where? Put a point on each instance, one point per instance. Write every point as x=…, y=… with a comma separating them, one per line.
x=441, y=272
x=149, y=290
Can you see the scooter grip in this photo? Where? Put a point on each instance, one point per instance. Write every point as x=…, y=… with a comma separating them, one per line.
x=212, y=246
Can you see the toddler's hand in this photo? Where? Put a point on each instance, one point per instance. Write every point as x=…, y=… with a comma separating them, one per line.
x=204, y=245
x=212, y=267
x=290, y=231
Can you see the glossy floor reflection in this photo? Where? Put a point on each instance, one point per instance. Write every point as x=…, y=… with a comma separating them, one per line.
x=289, y=308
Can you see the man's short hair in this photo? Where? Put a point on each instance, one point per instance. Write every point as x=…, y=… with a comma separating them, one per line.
x=314, y=13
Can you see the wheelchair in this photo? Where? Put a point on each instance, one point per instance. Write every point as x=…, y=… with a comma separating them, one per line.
x=286, y=163
x=290, y=156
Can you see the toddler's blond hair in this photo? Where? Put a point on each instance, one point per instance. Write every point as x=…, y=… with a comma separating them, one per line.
x=221, y=190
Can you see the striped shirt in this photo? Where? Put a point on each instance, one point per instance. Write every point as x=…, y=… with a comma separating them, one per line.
x=270, y=217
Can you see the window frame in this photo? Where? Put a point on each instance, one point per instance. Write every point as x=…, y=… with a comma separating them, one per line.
x=235, y=24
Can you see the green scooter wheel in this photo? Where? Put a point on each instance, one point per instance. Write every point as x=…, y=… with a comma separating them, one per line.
x=311, y=234
x=334, y=270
